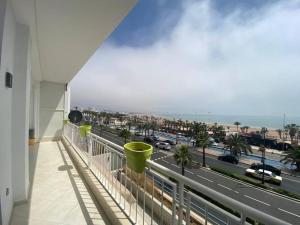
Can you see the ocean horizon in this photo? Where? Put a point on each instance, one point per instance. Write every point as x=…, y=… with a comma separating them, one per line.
x=272, y=122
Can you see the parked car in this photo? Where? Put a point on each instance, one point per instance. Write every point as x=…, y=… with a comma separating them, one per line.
x=257, y=166
x=149, y=140
x=229, y=158
x=215, y=144
x=163, y=145
x=268, y=175
x=170, y=142
x=137, y=133
x=155, y=137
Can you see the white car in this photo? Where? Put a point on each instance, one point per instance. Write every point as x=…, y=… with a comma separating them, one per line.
x=269, y=176
x=163, y=145
x=215, y=144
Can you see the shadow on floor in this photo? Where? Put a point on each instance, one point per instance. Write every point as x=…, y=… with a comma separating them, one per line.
x=93, y=214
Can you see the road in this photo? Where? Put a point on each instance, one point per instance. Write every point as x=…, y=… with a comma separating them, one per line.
x=270, y=203
x=289, y=183
x=277, y=206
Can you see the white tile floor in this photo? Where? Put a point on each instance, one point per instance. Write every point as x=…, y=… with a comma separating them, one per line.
x=58, y=195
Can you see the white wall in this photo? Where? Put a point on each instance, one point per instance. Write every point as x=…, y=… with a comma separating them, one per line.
x=52, y=109
x=6, y=65
x=20, y=113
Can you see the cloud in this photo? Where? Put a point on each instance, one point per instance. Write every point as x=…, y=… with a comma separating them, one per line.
x=240, y=63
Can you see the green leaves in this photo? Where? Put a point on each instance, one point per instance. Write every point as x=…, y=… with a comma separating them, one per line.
x=293, y=157
x=183, y=157
x=237, y=145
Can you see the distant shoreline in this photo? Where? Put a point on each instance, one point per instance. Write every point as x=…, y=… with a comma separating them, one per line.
x=256, y=122
x=232, y=128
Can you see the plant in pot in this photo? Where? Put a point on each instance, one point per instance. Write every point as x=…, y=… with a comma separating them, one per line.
x=137, y=153
x=84, y=130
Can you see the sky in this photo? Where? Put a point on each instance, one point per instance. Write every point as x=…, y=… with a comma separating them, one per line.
x=197, y=56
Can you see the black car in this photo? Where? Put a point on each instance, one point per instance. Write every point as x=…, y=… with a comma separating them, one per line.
x=229, y=158
x=170, y=142
x=257, y=166
x=149, y=140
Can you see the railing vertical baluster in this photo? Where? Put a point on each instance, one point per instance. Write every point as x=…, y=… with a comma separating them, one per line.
x=205, y=223
x=174, y=206
x=120, y=177
x=145, y=177
x=125, y=186
x=152, y=200
x=243, y=218
x=188, y=209
x=104, y=165
x=137, y=197
x=90, y=149
x=162, y=202
x=181, y=202
x=130, y=193
x=112, y=158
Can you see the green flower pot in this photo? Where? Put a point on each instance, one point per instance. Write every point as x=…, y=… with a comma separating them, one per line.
x=84, y=130
x=66, y=121
x=137, y=153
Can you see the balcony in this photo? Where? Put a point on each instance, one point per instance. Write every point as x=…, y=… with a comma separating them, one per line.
x=62, y=190
x=58, y=194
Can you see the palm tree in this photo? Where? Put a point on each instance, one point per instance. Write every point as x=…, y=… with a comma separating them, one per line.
x=262, y=149
x=293, y=157
x=237, y=124
x=202, y=141
x=125, y=134
x=183, y=157
x=129, y=124
x=292, y=129
x=237, y=145
x=246, y=128
x=279, y=131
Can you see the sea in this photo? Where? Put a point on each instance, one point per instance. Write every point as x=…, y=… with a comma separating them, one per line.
x=272, y=122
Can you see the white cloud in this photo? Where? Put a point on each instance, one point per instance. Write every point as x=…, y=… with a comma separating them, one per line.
x=225, y=65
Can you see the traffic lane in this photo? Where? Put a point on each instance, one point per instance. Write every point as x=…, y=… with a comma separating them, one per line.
x=120, y=141
x=256, y=198
x=288, y=183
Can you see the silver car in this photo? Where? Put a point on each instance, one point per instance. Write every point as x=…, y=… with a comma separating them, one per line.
x=163, y=145
x=268, y=175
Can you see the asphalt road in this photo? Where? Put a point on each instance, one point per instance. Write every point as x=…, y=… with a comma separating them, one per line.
x=275, y=205
x=289, y=183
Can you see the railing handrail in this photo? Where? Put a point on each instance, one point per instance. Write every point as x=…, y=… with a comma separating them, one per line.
x=245, y=210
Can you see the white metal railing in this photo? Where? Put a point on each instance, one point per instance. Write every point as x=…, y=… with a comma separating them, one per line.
x=158, y=195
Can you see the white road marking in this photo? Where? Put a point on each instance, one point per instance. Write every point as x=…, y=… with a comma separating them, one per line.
x=236, y=192
x=288, y=212
x=175, y=165
x=224, y=187
x=257, y=200
x=189, y=172
x=165, y=161
x=205, y=178
x=285, y=178
x=250, y=185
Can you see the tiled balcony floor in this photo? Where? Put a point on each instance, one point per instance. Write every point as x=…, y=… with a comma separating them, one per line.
x=58, y=195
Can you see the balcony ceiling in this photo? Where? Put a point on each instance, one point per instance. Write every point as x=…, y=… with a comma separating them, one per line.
x=66, y=33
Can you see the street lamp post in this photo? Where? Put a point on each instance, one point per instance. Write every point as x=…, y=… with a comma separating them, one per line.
x=264, y=130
